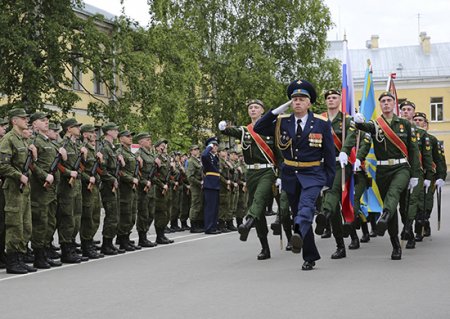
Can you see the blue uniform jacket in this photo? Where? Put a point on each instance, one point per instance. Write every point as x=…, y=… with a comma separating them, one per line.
x=315, y=144
x=210, y=164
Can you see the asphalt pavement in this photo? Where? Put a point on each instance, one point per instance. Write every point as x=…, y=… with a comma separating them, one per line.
x=218, y=276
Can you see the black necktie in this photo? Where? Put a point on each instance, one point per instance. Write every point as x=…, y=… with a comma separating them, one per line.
x=299, y=128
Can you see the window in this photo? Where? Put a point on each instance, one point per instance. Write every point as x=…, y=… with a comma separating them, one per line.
x=76, y=78
x=98, y=86
x=437, y=108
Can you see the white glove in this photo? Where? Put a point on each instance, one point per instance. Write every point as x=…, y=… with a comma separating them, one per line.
x=358, y=118
x=343, y=159
x=278, y=184
x=439, y=183
x=426, y=184
x=413, y=181
x=357, y=164
x=222, y=125
x=211, y=145
x=323, y=190
x=281, y=108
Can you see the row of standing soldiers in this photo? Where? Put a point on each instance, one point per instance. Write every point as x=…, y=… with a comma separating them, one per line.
x=52, y=183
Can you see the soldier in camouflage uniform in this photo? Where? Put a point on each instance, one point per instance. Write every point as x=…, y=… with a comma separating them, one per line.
x=128, y=183
x=69, y=192
x=226, y=188
x=90, y=193
x=185, y=201
x=175, y=192
x=3, y=128
x=235, y=190
x=194, y=177
x=162, y=184
x=43, y=191
x=146, y=190
x=14, y=152
x=109, y=189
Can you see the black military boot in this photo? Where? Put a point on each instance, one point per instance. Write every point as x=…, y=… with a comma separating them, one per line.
x=411, y=243
x=407, y=232
x=287, y=227
x=124, y=243
x=419, y=230
x=52, y=262
x=143, y=241
x=52, y=254
x=382, y=223
x=184, y=225
x=132, y=243
x=2, y=260
x=373, y=225
x=230, y=225
x=340, y=251
x=239, y=221
x=354, y=244
x=276, y=226
x=365, y=230
x=28, y=257
x=196, y=227
x=426, y=228
x=322, y=220
x=161, y=239
x=265, y=251
x=24, y=265
x=67, y=256
x=89, y=251
x=397, y=249
x=107, y=247
x=174, y=225
x=327, y=231
x=244, y=228
x=13, y=266
x=40, y=261
x=223, y=227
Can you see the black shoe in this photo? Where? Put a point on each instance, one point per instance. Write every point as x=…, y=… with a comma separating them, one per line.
x=382, y=223
x=276, y=226
x=169, y=240
x=162, y=241
x=373, y=234
x=244, y=228
x=354, y=244
x=308, y=265
x=52, y=254
x=396, y=248
x=54, y=263
x=213, y=232
x=185, y=226
x=124, y=243
x=365, y=238
x=40, y=260
x=28, y=257
x=326, y=233
x=67, y=255
x=418, y=237
x=339, y=253
x=230, y=226
x=289, y=246
x=410, y=244
x=321, y=222
x=427, y=229
x=265, y=251
x=24, y=265
x=297, y=243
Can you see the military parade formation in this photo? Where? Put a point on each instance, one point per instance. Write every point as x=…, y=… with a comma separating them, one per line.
x=57, y=178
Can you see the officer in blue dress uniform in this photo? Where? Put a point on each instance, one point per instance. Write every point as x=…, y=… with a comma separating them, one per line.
x=307, y=146
x=211, y=185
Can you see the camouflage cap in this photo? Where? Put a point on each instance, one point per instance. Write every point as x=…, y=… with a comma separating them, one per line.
x=125, y=133
x=194, y=147
x=255, y=101
x=161, y=141
x=109, y=127
x=70, y=123
x=53, y=126
x=38, y=116
x=87, y=128
x=142, y=135
x=4, y=121
x=19, y=112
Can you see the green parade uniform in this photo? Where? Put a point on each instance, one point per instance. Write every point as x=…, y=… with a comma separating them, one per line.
x=127, y=196
x=409, y=201
x=18, y=225
x=109, y=194
x=394, y=170
x=175, y=197
x=225, y=194
x=185, y=201
x=332, y=197
x=3, y=122
x=439, y=171
x=162, y=179
x=260, y=178
x=195, y=178
x=146, y=195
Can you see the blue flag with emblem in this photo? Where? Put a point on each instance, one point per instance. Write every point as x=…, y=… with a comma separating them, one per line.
x=371, y=201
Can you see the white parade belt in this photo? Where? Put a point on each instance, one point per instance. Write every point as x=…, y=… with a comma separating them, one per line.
x=392, y=161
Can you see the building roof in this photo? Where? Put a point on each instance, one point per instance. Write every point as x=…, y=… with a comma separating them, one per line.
x=91, y=10
x=407, y=61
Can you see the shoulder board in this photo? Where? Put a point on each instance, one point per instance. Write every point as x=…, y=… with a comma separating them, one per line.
x=318, y=116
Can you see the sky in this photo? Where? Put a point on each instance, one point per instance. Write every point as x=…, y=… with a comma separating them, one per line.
x=396, y=22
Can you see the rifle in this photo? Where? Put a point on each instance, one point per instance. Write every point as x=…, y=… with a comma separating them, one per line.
x=150, y=176
x=27, y=165
x=77, y=166
x=136, y=173
x=96, y=166
x=117, y=171
x=178, y=179
x=55, y=163
x=166, y=181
